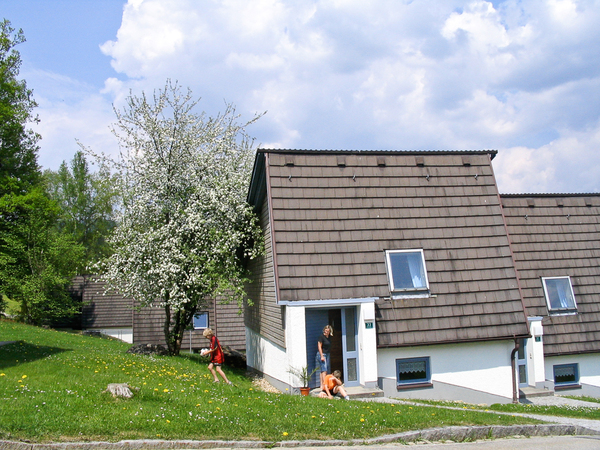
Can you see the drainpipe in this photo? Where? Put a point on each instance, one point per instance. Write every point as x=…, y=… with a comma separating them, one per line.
x=514, y=370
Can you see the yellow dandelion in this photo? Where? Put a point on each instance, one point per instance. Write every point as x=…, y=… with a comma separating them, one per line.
x=2, y=374
x=285, y=433
x=165, y=390
x=156, y=389
x=24, y=376
x=362, y=419
x=168, y=421
x=314, y=417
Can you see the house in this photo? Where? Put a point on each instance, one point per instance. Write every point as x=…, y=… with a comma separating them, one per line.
x=556, y=244
x=114, y=315
x=405, y=253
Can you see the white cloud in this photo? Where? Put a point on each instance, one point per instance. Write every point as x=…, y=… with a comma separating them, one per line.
x=522, y=77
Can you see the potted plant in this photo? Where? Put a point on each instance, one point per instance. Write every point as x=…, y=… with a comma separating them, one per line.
x=304, y=376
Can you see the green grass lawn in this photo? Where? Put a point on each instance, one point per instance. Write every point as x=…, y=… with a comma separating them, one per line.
x=52, y=387
x=560, y=411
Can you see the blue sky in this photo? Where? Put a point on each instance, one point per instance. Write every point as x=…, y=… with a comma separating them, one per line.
x=518, y=76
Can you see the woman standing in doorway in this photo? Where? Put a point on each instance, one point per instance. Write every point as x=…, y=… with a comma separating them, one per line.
x=322, y=358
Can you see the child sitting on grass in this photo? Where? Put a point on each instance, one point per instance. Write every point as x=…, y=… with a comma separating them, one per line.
x=334, y=386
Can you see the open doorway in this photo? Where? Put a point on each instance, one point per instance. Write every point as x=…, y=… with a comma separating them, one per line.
x=343, y=352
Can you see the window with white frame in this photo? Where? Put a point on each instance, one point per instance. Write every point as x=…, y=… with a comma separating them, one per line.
x=413, y=372
x=200, y=320
x=406, y=271
x=566, y=375
x=559, y=295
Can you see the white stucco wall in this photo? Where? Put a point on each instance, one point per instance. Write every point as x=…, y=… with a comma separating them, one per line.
x=275, y=361
x=589, y=371
x=536, y=376
x=483, y=368
x=124, y=334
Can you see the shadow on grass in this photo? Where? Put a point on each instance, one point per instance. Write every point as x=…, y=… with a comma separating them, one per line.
x=21, y=352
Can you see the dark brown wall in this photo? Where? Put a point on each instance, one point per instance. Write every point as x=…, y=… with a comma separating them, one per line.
x=115, y=311
x=226, y=323
x=265, y=316
x=100, y=309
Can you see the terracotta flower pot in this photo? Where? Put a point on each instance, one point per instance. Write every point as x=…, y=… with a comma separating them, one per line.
x=305, y=390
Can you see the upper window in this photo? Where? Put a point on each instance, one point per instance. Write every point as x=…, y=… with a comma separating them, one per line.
x=201, y=320
x=559, y=295
x=406, y=270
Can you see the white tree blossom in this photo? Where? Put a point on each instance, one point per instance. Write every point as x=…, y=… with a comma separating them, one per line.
x=185, y=226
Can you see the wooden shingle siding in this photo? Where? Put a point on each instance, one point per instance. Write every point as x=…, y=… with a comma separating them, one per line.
x=265, y=316
x=100, y=310
x=115, y=311
x=228, y=325
x=332, y=224
x=559, y=236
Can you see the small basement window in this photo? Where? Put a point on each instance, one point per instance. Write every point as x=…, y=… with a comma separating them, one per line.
x=200, y=320
x=406, y=271
x=566, y=376
x=559, y=295
x=413, y=373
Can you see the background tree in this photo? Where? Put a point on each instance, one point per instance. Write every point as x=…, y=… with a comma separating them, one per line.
x=185, y=227
x=87, y=201
x=18, y=144
x=36, y=260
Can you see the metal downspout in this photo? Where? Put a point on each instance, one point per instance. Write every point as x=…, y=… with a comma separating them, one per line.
x=514, y=371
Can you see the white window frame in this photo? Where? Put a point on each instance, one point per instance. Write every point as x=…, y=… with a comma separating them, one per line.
x=566, y=384
x=416, y=383
x=556, y=311
x=422, y=291
x=197, y=315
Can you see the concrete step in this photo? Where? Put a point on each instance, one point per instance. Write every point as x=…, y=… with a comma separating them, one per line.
x=530, y=392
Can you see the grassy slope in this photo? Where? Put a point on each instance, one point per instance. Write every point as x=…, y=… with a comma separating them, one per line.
x=52, y=387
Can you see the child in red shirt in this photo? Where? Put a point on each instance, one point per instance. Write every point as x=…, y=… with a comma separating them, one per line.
x=216, y=356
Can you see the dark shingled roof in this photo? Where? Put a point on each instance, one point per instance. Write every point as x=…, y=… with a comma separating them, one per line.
x=334, y=214
x=559, y=235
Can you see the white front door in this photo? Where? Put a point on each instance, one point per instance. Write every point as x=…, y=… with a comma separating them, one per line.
x=350, y=346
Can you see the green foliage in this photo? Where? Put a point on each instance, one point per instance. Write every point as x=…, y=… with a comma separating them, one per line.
x=52, y=389
x=37, y=262
x=185, y=227
x=18, y=145
x=302, y=374
x=87, y=202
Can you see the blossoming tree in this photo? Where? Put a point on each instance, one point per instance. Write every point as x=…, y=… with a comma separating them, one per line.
x=185, y=227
